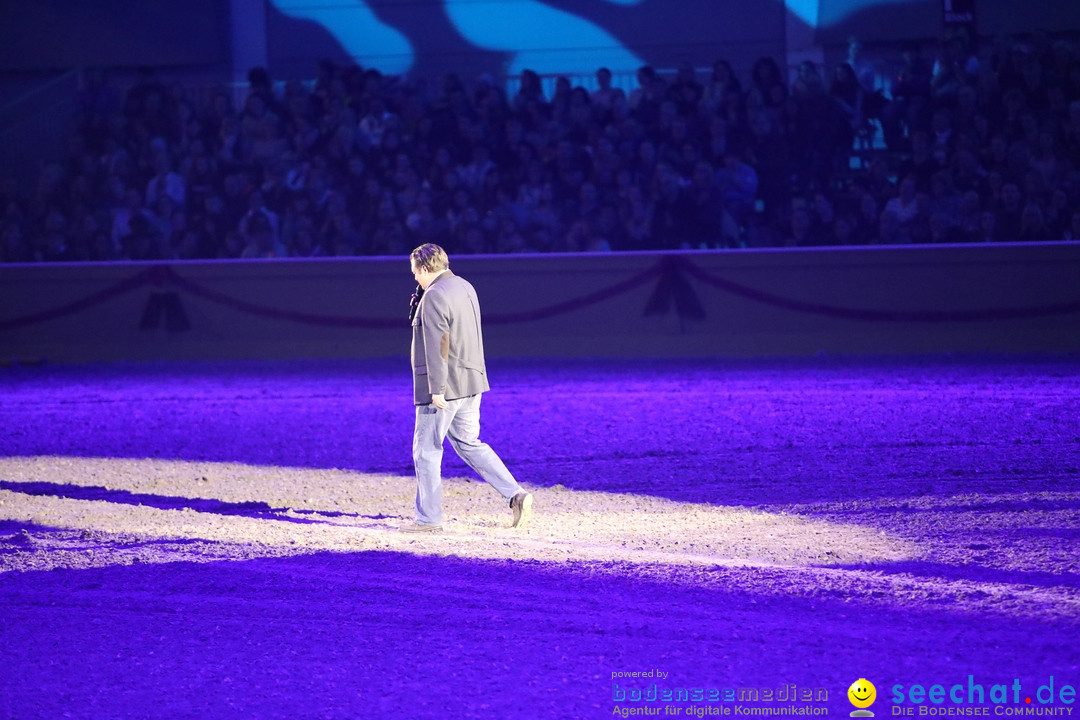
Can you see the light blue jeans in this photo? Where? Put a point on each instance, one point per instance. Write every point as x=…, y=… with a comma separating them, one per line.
x=460, y=421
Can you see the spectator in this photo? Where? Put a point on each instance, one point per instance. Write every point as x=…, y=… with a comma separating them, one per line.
x=768, y=153
x=143, y=241
x=338, y=233
x=823, y=217
x=943, y=198
x=636, y=216
x=1032, y=224
x=474, y=173
x=923, y=163
x=841, y=232
x=643, y=93
x=1073, y=231
x=944, y=229
x=259, y=240
x=878, y=182
x=1045, y=159
x=361, y=163
x=911, y=98
x=1057, y=214
x=685, y=91
x=672, y=209
x=904, y=207
x=865, y=223
x=851, y=101
x=737, y=183
x=767, y=85
x=801, y=230
x=603, y=98
x=890, y=229
x=720, y=85
x=970, y=221
x=260, y=214
x=712, y=225
x=165, y=182
x=942, y=138
x=1009, y=213
x=808, y=82
x=530, y=92
x=388, y=236
x=988, y=229
x=966, y=172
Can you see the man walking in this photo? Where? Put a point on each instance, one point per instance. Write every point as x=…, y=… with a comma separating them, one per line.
x=449, y=376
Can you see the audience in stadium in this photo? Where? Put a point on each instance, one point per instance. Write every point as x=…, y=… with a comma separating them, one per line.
x=973, y=147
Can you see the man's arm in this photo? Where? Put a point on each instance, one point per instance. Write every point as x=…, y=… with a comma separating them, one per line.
x=436, y=324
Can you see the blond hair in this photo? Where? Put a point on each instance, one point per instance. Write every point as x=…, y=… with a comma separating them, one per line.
x=430, y=257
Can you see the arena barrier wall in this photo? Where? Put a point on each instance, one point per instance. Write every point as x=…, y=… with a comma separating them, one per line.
x=1014, y=297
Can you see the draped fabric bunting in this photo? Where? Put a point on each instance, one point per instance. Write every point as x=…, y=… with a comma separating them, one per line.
x=674, y=277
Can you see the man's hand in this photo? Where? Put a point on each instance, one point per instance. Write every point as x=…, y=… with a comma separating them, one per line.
x=438, y=401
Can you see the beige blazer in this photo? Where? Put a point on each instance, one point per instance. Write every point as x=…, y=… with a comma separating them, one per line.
x=447, y=342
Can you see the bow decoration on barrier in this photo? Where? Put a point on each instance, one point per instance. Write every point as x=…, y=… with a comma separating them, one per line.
x=673, y=274
x=165, y=306
x=674, y=287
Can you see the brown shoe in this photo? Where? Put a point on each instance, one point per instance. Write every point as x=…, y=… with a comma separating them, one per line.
x=521, y=504
x=418, y=528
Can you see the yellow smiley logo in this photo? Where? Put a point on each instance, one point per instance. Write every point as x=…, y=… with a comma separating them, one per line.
x=862, y=693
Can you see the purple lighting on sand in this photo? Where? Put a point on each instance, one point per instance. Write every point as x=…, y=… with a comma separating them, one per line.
x=178, y=540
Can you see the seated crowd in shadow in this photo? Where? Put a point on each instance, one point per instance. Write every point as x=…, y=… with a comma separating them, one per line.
x=964, y=146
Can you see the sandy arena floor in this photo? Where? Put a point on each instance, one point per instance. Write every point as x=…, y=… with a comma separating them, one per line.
x=221, y=540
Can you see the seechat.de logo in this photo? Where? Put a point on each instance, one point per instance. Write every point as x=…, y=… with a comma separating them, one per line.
x=862, y=695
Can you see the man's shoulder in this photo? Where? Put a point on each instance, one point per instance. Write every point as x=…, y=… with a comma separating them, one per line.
x=448, y=292
x=448, y=284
